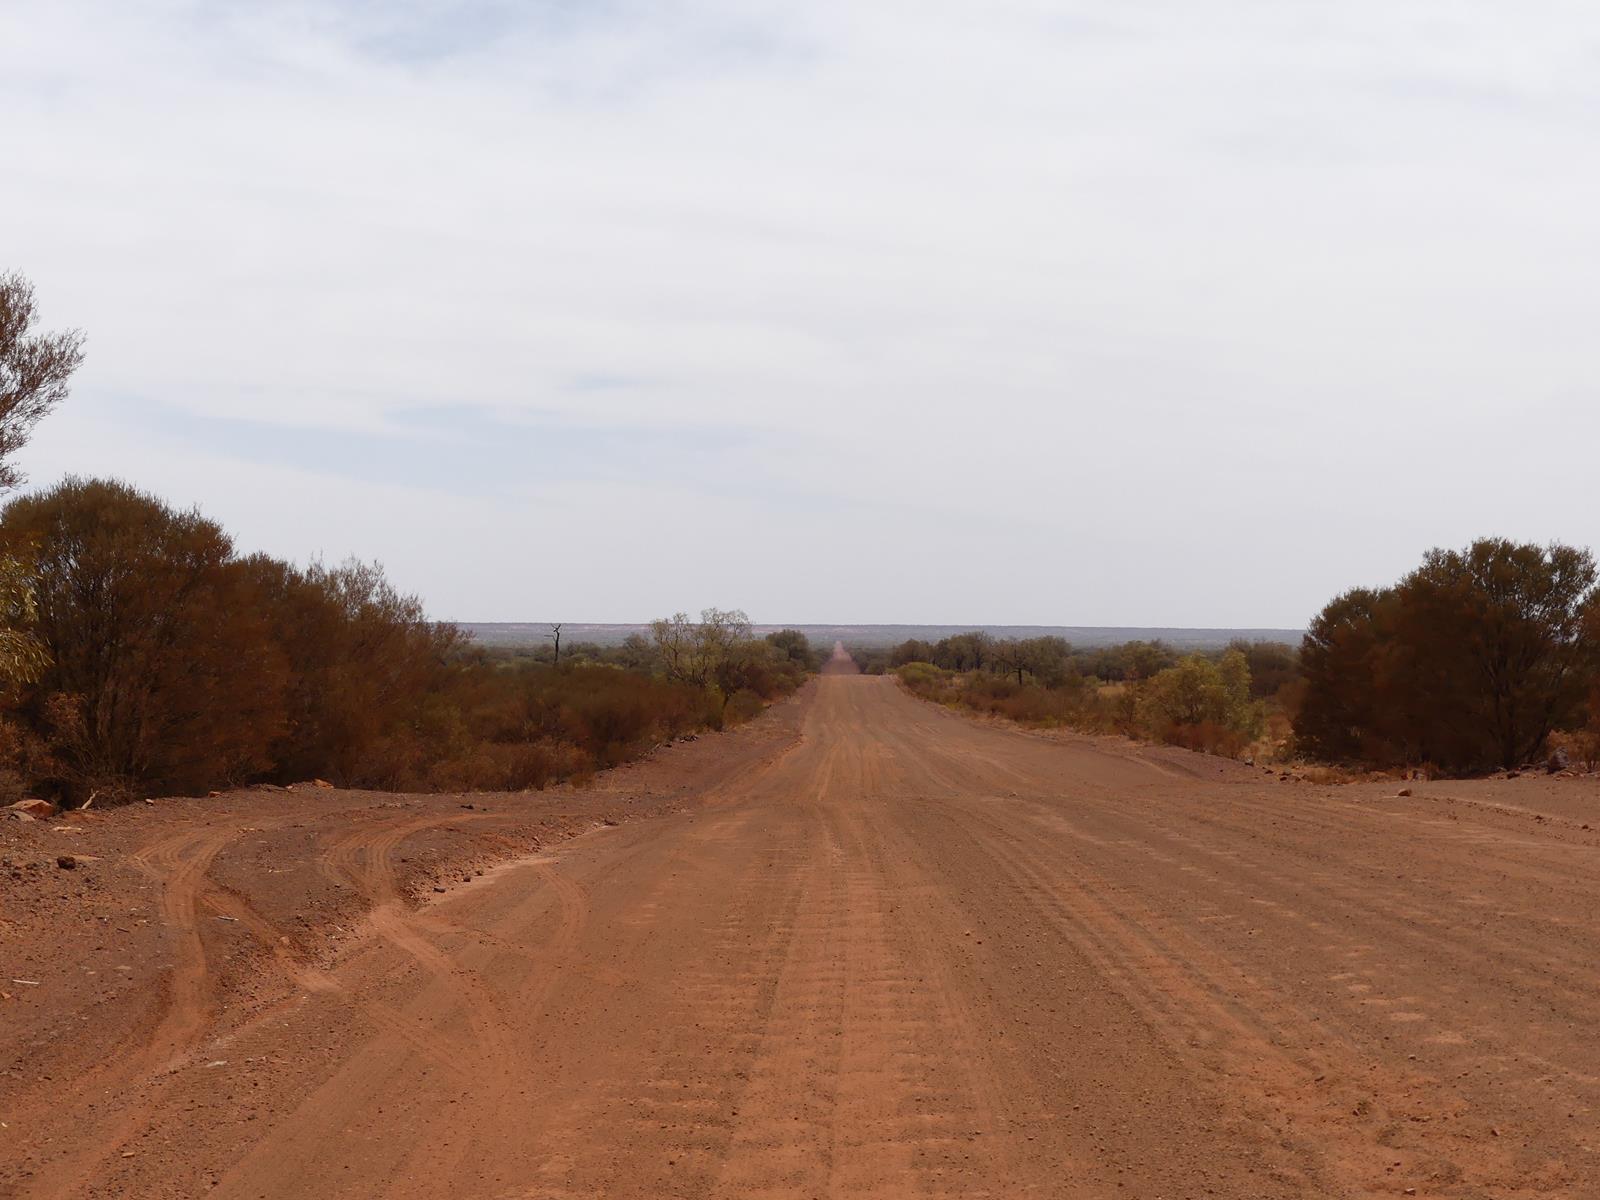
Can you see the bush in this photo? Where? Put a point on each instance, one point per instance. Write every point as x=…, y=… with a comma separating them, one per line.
x=1469, y=662
x=521, y=766
x=176, y=666
x=931, y=682
x=1201, y=703
x=873, y=660
x=25, y=761
x=1273, y=667
x=1074, y=703
x=796, y=648
x=741, y=706
x=169, y=675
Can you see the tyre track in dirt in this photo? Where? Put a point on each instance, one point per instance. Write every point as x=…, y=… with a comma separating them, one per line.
x=1189, y=988
x=912, y=955
x=1424, y=922
x=132, y=1084
x=460, y=1027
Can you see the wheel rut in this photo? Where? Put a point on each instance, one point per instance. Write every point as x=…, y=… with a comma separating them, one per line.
x=898, y=954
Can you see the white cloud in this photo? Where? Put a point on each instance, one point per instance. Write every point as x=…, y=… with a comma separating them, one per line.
x=1064, y=312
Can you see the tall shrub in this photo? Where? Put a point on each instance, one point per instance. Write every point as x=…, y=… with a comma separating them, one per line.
x=162, y=670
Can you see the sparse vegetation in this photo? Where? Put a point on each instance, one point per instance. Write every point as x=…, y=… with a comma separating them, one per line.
x=163, y=661
x=1203, y=702
x=140, y=652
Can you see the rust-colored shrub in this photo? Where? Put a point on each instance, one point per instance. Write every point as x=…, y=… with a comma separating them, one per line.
x=152, y=628
x=1469, y=662
x=1207, y=737
x=176, y=666
x=742, y=706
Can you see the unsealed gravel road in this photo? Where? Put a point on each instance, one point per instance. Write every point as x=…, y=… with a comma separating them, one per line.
x=902, y=954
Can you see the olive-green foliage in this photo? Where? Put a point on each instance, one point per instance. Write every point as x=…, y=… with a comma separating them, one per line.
x=1203, y=703
x=23, y=657
x=701, y=652
x=796, y=649
x=1273, y=666
x=718, y=653
x=876, y=660
x=1074, y=703
x=35, y=369
x=1043, y=659
x=1127, y=662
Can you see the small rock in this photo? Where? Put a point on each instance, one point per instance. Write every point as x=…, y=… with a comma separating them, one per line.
x=438, y=887
x=22, y=816
x=66, y=862
x=35, y=808
x=321, y=783
x=1405, y=791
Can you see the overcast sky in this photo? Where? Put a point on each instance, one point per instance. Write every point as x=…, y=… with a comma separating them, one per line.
x=1186, y=312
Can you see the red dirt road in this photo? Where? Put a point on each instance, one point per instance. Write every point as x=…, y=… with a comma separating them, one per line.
x=887, y=952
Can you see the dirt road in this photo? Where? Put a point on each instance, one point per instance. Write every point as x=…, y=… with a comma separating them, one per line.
x=897, y=953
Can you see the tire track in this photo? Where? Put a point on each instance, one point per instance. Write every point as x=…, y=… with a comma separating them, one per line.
x=135, y=1086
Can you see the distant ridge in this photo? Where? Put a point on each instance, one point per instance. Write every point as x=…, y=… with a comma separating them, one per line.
x=529, y=633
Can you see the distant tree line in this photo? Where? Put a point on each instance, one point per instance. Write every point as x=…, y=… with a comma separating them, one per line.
x=1483, y=658
x=1142, y=689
